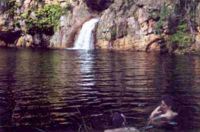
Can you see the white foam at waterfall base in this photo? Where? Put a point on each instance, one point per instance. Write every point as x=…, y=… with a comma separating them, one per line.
x=86, y=37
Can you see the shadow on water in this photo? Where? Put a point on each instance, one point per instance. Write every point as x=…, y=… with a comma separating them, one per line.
x=54, y=90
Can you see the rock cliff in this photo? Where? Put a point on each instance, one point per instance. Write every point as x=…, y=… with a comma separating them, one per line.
x=142, y=25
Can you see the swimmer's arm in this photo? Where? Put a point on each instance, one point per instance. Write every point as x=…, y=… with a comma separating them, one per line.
x=168, y=116
x=161, y=117
x=158, y=120
x=155, y=113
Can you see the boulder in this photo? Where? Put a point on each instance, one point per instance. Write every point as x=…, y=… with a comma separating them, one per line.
x=20, y=42
x=126, y=129
x=2, y=44
x=25, y=41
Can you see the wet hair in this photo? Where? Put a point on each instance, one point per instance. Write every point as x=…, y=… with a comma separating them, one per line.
x=168, y=100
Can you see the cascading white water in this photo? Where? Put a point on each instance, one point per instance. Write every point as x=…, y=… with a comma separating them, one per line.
x=86, y=37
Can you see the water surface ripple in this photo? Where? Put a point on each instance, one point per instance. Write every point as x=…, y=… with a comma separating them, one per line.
x=47, y=89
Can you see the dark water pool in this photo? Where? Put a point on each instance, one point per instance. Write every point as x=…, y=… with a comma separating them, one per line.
x=59, y=90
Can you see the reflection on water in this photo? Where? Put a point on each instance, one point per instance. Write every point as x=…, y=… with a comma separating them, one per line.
x=54, y=89
x=86, y=61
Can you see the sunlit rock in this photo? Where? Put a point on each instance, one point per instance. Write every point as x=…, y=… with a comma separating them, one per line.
x=197, y=40
x=2, y=43
x=126, y=129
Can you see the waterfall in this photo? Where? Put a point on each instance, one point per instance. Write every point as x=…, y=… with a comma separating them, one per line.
x=86, y=37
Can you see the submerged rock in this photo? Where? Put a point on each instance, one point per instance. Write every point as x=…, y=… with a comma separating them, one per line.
x=126, y=129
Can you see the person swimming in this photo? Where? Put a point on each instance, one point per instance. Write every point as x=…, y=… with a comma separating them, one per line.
x=163, y=114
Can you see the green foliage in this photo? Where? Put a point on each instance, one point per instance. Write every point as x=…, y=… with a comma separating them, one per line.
x=181, y=37
x=164, y=14
x=44, y=18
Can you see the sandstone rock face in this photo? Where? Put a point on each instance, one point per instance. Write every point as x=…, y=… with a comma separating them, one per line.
x=197, y=14
x=123, y=25
x=196, y=46
x=129, y=25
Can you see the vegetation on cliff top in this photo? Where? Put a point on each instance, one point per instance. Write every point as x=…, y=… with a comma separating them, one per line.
x=43, y=19
x=180, y=23
x=181, y=37
x=163, y=17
